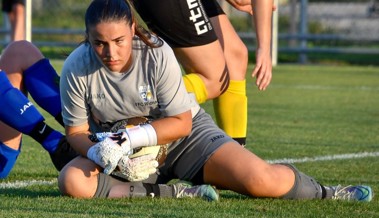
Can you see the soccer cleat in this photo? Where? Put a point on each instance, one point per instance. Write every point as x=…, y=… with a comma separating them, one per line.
x=186, y=190
x=63, y=154
x=353, y=193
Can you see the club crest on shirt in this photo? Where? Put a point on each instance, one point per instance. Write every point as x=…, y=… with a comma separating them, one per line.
x=145, y=93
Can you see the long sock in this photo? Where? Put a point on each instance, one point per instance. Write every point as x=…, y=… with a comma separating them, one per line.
x=231, y=111
x=196, y=85
x=46, y=136
x=305, y=187
x=109, y=187
x=19, y=113
x=42, y=82
x=8, y=157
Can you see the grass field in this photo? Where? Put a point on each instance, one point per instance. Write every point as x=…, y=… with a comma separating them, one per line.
x=325, y=119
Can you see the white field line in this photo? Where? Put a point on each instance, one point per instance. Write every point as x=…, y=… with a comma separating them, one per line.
x=321, y=87
x=326, y=158
x=26, y=183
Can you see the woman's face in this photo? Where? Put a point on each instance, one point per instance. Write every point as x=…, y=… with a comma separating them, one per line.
x=112, y=42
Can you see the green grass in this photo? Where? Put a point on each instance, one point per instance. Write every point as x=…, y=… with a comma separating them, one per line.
x=308, y=111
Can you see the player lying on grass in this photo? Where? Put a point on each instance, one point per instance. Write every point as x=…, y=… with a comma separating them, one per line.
x=25, y=70
x=120, y=72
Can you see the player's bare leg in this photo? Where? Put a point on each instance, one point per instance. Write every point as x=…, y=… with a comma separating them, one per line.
x=222, y=67
x=231, y=106
x=207, y=61
x=13, y=64
x=17, y=21
x=235, y=168
x=79, y=181
x=22, y=63
x=235, y=51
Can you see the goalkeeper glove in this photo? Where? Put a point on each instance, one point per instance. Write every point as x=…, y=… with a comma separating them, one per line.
x=108, y=152
x=136, y=169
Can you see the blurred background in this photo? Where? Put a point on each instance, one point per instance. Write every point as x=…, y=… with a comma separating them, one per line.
x=304, y=31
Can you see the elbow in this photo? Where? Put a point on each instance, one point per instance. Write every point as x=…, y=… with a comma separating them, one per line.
x=187, y=130
x=240, y=3
x=186, y=125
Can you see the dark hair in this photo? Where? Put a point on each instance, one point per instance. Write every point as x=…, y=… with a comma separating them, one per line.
x=117, y=10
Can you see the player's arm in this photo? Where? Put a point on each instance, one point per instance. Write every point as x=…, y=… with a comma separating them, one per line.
x=262, y=19
x=171, y=128
x=106, y=153
x=262, y=13
x=77, y=136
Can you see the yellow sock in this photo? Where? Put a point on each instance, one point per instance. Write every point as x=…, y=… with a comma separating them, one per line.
x=231, y=111
x=195, y=84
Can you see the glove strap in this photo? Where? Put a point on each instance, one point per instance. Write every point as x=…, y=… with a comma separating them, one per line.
x=141, y=136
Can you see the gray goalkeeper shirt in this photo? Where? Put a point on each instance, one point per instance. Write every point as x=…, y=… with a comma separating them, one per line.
x=152, y=86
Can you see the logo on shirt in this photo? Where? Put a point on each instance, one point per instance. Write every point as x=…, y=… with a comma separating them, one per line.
x=215, y=138
x=145, y=93
x=97, y=96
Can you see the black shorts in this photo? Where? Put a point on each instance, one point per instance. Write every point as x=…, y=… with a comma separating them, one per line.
x=8, y=4
x=181, y=23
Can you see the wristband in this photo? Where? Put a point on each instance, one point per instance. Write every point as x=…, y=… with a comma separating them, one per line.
x=141, y=136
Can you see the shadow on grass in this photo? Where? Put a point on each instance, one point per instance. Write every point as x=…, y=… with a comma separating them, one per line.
x=226, y=194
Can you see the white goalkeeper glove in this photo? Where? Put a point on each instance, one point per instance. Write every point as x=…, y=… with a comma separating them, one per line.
x=113, y=146
x=136, y=169
x=108, y=152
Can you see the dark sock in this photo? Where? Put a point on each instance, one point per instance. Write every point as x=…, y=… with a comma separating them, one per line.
x=327, y=192
x=305, y=187
x=59, y=119
x=42, y=82
x=19, y=113
x=241, y=141
x=110, y=187
x=46, y=136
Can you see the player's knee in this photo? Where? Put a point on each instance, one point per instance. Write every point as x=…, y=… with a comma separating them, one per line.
x=218, y=86
x=76, y=180
x=71, y=182
x=17, y=47
x=64, y=181
x=239, y=3
x=268, y=182
x=240, y=54
x=23, y=53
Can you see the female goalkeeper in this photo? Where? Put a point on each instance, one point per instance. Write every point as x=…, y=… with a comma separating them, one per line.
x=121, y=72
